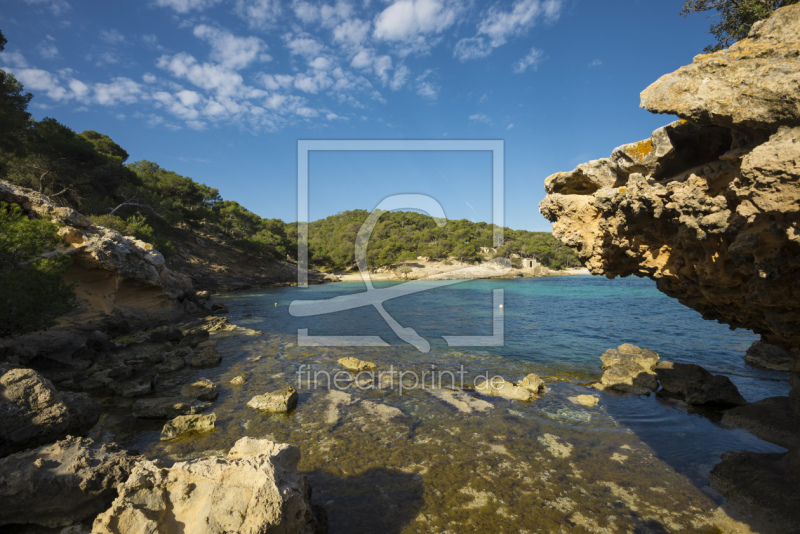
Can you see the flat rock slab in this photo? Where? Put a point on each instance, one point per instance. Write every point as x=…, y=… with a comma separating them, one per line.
x=462, y=401
x=168, y=407
x=278, y=401
x=205, y=358
x=62, y=483
x=186, y=424
x=771, y=419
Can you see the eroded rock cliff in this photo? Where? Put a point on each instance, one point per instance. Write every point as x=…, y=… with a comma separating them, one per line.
x=708, y=207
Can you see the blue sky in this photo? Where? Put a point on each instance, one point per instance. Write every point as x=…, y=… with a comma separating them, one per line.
x=221, y=90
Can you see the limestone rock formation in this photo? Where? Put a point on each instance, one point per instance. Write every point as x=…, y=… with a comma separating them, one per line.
x=499, y=387
x=115, y=274
x=202, y=389
x=168, y=407
x=766, y=356
x=185, y=424
x=256, y=488
x=708, y=207
x=63, y=483
x=35, y=413
x=354, y=364
x=278, y=401
x=629, y=369
x=695, y=385
x=534, y=384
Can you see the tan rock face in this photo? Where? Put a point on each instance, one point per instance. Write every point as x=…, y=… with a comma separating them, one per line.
x=708, y=207
x=113, y=273
x=256, y=488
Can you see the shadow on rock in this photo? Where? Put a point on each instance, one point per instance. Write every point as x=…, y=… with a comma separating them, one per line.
x=377, y=500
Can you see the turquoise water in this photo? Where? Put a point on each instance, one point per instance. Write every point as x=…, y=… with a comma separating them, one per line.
x=630, y=464
x=560, y=324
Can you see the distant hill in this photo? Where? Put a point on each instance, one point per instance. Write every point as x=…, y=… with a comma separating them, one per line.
x=404, y=235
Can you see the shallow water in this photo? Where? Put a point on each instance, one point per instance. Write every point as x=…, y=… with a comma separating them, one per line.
x=632, y=463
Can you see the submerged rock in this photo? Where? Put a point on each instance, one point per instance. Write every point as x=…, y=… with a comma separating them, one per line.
x=35, y=413
x=201, y=389
x=356, y=365
x=766, y=356
x=695, y=385
x=278, y=401
x=629, y=369
x=256, y=488
x=584, y=400
x=140, y=386
x=62, y=483
x=184, y=424
x=462, y=401
x=167, y=408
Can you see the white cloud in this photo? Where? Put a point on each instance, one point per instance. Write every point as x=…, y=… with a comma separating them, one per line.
x=352, y=32
x=531, y=60
x=204, y=75
x=363, y=59
x=152, y=41
x=312, y=83
x=57, y=7
x=472, y=48
x=185, y=6
x=149, y=77
x=480, y=117
x=41, y=80
x=306, y=12
x=47, y=49
x=510, y=126
x=425, y=87
x=229, y=50
x=382, y=67
x=78, y=88
x=595, y=63
x=303, y=46
x=112, y=37
x=120, y=90
x=258, y=13
x=498, y=26
x=320, y=63
x=274, y=82
x=306, y=112
x=406, y=19
x=15, y=59
x=400, y=77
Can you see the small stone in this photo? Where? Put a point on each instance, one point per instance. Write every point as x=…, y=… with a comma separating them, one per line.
x=278, y=401
x=168, y=408
x=201, y=389
x=354, y=364
x=238, y=380
x=184, y=424
x=584, y=400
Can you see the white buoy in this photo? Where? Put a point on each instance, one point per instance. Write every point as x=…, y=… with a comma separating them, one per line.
x=501, y=306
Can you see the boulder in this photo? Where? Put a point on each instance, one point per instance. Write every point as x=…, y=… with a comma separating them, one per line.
x=62, y=483
x=169, y=334
x=695, y=385
x=167, y=408
x=629, y=369
x=207, y=357
x=174, y=360
x=185, y=424
x=201, y=389
x=35, y=413
x=771, y=419
x=534, y=384
x=766, y=356
x=499, y=387
x=278, y=401
x=354, y=364
x=256, y=488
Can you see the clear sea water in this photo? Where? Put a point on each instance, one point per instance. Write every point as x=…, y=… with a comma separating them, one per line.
x=632, y=463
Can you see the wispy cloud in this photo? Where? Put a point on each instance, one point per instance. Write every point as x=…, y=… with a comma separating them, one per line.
x=56, y=7
x=480, y=118
x=530, y=61
x=186, y=6
x=595, y=63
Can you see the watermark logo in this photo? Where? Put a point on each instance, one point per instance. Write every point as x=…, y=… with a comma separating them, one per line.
x=373, y=296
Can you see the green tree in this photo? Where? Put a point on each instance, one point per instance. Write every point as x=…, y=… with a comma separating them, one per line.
x=736, y=17
x=33, y=293
x=14, y=116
